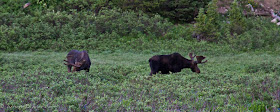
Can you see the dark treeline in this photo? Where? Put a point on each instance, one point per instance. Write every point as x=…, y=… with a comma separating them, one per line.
x=175, y=10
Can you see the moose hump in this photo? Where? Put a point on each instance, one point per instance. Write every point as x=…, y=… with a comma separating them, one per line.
x=174, y=62
x=79, y=60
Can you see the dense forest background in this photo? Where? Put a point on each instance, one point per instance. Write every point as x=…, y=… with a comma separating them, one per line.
x=242, y=49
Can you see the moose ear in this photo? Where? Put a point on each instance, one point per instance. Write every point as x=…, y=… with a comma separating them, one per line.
x=200, y=58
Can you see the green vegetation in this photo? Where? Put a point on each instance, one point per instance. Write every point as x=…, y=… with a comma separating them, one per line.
x=120, y=81
x=207, y=25
x=236, y=18
x=242, y=72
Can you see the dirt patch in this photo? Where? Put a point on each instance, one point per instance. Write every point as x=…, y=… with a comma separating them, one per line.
x=261, y=7
x=274, y=4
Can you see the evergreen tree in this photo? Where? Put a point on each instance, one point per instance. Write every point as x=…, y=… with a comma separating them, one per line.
x=237, y=20
x=207, y=25
x=176, y=10
x=212, y=13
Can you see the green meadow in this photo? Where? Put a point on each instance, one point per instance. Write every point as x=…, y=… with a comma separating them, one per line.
x=120, y=81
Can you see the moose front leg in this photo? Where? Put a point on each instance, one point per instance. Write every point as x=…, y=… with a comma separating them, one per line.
x=154, y=67
x=69, y=68
x=176, y=69
x=87, y=70
x=152, y=72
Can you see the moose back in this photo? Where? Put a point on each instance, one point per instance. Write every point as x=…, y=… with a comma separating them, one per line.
x=174, y=63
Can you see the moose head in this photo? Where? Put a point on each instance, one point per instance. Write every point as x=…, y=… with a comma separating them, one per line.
x=76, y=66
x=194, y=63
x=79, y=60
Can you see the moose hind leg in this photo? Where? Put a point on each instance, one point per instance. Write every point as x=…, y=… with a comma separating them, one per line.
x=165, y=72
x=152, y=72
x=154, y=67
x=176, y=69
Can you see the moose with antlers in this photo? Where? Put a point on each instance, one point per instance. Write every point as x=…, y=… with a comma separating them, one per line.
x=79, y=60
x=174, y=62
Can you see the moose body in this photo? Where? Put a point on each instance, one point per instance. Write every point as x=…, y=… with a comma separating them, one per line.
x=79, y=60
x=174, y=63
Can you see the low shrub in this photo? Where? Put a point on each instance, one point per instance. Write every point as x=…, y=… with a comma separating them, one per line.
x=60, y=30
x=267, y=67
x=262, y=35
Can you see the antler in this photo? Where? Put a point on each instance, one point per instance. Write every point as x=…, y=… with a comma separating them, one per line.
x=200, y=58
x=83, y=61
x=203, y=62
x=79, y=64
x=192, y=57
x=72, y=64
x=69, y=64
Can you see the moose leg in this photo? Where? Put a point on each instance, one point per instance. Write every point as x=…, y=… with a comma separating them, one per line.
x=152, y=72
x=176, y=69
x=165, y=72
x=87, y=70
x=154, y=67
x=69, y=68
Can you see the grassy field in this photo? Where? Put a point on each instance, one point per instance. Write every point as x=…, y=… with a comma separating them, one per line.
x=120, y=81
